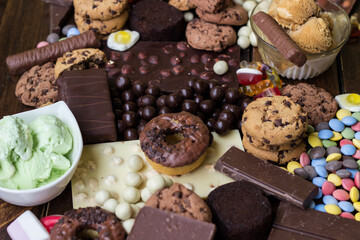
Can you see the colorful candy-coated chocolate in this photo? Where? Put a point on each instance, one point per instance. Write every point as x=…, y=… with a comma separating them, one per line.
x=354, y=194
x=329, y=199
x=335, y=179
x=66, y=28
x=328, y=143
x=249, y=76
x=349, y=120
x=49, y=221
x=346, y=206
x=321, y=171
x=320, y=207
x=332, y=209
x=333, y=157
x=357, y=135
x=318, y=181
x=314, y=141
x=317, y=153
x=345, y=141
x=42, y=44
x=347, y=184
x=72, y=32
x=357, y=216
x=269, y=92
x=336, y=136
x=353, y=172
x=347, y=215
x=356, y=143
x=356, y=127
x=357, y=180
x=357, y=206
x=328, y=188
x=357, y=154
x=348, y=133
x=52, y=37
x=319, y=194
x=318, y=162
x=348, y=149
x=292, y=166
x=342, y=113
x=356, y=115
x=325, y=134
x=341, y=195
x=304, y=159
x=336, y=125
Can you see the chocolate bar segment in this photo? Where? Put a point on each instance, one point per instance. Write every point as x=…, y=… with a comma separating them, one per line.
x=281, y=184
x=157, y=224
x=279, y=38
x=169, y=64
x=22, y=62
x=59, y=16
x=295, y=223
x=87, y=94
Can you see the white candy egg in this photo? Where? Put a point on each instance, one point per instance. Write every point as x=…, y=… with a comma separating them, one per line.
x=122, y=40
x=349, y=101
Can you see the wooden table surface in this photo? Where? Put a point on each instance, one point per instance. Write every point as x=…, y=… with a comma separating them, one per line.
x=23, y=23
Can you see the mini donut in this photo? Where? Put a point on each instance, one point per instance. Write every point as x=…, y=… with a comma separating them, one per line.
x=175, y=143
x=106, y=224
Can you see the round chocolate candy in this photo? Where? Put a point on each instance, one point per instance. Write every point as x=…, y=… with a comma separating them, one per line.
x=186, y=93
x=139, y=88
x=198, y=99
x=190, y=83
x=201, y=87
x=245, y=102
x=217, y=93
x=232, y=95
x=123, y=82
x=119, y=113
x=129, y=118
x=147, y=100
x=213, y=83
x=207, y=106
x=161, y=101
x=131, y=134
x=173, y=100
x=128, y=96
x=153, y=90
x=210, y=123
x=164, y=110
x=113, y=73
x=189, y=106
x=236, y=110
x=148, y=113
x=221, y=127
x=226, y=116
x=121, y=126
x=129, y=106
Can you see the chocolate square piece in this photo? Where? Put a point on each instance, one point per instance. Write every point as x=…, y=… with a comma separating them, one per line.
x=87, y=94
x=152, y=223
x=59, y=17
x=169, y=64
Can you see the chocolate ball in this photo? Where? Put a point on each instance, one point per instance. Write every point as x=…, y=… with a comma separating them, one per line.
x=121, y=126
x=216, y=113
x=164, y=110
x=129, y=106
x=130, y=134
x=173, y=100
x=148, y=113
x=141, y=126
x=207, y=106
x=113, y=73
x=210, y=123
x=221, y=127
x=213, y=83
x=245, y=102
x=226, y=116
x=236, y=110
x=153, y=90
x=140, y=112
x=147, y=100
x=217, y=93
x=190, y=82
x=128, y=96
x=186, y=93
x=122, y=82
x=161, y=101
x=201, y=87
x=129, y=118
x=198, y=99
x=139, y=88
x=232, y=95
x=189, y=106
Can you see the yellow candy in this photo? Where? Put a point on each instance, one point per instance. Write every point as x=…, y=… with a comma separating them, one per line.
x=283, y=168
x=333, y=156
x=332, y=209
x=343, y=113
x=335, y=179
x=336, y=137
x=315, y=134
x=357, y=206
x=292, y=166
x=354, y=194
x=314, y=141
x=357, y=217
x=353, y=98
x=356, y=143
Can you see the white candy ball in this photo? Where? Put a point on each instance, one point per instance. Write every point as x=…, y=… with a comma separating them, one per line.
x=123, y=211
x=249, y=5
x=128, y=225
x=220, y=67
x=145, y=194
x=110, y=205
x=132, y=179
x=188, y=16
x=155, y=183
x=101, y=196
x=243, y=42
x=135, y=162
x=131, y=195
x=244, y=31
x=253, y=39
x=135, y=210
x=249, y=25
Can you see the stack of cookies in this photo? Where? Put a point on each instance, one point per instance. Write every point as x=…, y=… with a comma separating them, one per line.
x=273, y=129
x=103, y=17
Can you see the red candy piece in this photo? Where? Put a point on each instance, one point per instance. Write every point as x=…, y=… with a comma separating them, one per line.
x=347, y=215
x=249, y=76
x=341, y=195
x=357, y=180
x=345, y=141
x=328, y=188
x=269, y=92
x=356, y=127
x=357, y=154
x=347, y=183
x=49, y=221
x=304, y=159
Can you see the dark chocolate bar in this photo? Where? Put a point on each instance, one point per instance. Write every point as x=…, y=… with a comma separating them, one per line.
x=59, y=16
x=169, y=64
x=87, y=94
x=295, y=223
x=152, y=223
x=22, y=62
x=279, y=38
x=60, y=2
x=275, y=181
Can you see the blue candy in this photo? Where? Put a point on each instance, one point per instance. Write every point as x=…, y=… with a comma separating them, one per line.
x=352, y=171
x=319, y=194
x=312, y=205
x=348, y=149
x=321, y=171
x=349, y=120
x=72, y=32
x=318, y=162
x=328, y=199
x=336, y=125
x=320, y=207
x=346, y=206
x=325, y=134
x=357, y=135
x=318, y=181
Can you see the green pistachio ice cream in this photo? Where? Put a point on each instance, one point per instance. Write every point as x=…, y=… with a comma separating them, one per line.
x=33, y=155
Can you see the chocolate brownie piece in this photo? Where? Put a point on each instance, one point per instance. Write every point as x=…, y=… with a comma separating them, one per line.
x=240, y=211
x=156, y=20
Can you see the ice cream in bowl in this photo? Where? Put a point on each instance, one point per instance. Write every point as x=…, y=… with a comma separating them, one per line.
x=39, y=152
x=319, y=29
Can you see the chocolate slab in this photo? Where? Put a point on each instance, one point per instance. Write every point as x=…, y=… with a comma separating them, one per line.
x=59, y=16
x=295, y=223
x=60, y=2
x=275, y=181
x=87, y=94
x=157, y=224
x=170, y=64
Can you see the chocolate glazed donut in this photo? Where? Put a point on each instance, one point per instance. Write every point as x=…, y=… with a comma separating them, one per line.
x=194, y=140
x=106, y=224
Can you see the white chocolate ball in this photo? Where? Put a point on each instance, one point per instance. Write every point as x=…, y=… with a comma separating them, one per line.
x=128, y=225
x=110, y=205
x=155, y=183
x=145, y=194
x=135, y=162
x=101, y=196
x=135, y=210
x=243, y=42
x=123, y=211
x=188, y=16
x=132, y=179
x=244, y=31
x=220, y=67
x=253, y=39
x=131, y=195
x=249, y=5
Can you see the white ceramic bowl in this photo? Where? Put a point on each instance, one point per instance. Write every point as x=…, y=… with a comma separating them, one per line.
x=43, y=194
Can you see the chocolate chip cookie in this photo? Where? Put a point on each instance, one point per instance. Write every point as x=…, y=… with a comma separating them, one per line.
x=279, y=157
x=318, y=103
x=100, y=9
x=101, y=26
x=37, y=86
x=277, y=120
x=232, y=14
x=209, y=5
x=178, y=199
x=79, y=59
x=182, y=5
x=209, y=36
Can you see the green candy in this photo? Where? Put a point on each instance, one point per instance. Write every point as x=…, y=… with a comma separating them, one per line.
x=329, y=143
x=348, y=133
x=358, y=162
x=310, y=129
x=356, y=115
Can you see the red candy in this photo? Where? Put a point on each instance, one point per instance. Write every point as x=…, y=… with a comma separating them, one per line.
x=347, y=183
x=357, y=154
x=357, y=180
x=341, y=195
x=347, y=215
x=356, y=127
x=345, y=141
x=269, y=92
x=249, y=76
x=49, y=221
x=328, y=188
x=304, y=159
